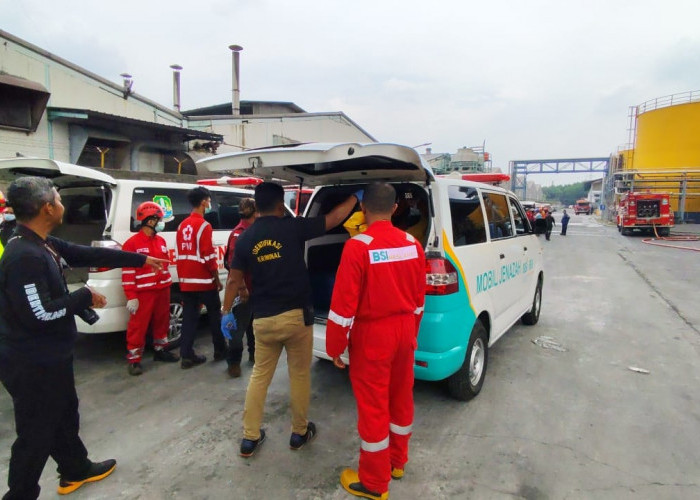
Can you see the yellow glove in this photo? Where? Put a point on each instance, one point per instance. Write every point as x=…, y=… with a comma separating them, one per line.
x=355, y=224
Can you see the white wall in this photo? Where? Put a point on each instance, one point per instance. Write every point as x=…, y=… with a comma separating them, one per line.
x=258, y=131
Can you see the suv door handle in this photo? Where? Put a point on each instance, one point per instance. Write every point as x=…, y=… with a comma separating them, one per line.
x=503, y=256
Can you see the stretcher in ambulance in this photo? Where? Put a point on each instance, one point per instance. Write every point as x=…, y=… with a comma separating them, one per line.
x=483, y=262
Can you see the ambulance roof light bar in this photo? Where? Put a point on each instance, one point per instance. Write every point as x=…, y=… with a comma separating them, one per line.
x=231, y=181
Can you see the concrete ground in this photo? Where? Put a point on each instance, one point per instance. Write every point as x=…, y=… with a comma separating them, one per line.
x=547, y=424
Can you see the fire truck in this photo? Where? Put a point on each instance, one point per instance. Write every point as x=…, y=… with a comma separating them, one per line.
x=583, y=206
x=644, y=211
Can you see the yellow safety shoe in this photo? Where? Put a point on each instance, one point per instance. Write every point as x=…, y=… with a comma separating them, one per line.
x=351, y=482
x=96, y=472
x=397, y=473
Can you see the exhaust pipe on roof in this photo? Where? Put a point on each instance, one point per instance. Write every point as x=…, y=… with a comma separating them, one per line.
x=236, y=103
x=176, y=85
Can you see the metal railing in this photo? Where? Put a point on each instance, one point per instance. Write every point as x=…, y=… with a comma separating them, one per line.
x=669, y=100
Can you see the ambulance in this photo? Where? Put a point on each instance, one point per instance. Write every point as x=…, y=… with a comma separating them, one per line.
x=100, y=211
x=483, y=262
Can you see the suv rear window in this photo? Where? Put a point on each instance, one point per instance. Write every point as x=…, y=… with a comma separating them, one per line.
x=224, y=214
x=467, y=217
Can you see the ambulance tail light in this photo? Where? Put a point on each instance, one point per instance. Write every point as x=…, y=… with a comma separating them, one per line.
x=440, y=276
x=104, y=244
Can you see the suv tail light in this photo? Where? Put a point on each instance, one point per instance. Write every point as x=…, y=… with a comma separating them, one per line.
x=104, y=244
x=440, y=276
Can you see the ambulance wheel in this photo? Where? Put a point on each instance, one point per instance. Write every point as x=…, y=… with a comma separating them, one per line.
x=466, y=382
x=175, y=328
x=533, y=315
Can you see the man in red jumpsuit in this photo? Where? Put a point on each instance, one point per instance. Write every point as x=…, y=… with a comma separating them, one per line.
x=147, y=291
x=378, y=303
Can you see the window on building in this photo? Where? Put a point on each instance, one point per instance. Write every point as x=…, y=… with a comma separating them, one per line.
x=22, y=103
x=468, y=226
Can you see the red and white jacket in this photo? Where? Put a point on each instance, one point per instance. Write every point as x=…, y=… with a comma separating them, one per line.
x=381, y=274
x=196, y=255
x=139, y=279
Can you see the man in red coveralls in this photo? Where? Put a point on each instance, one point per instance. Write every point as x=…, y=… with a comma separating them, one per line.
x=243, y=312
x=198, y=273
x=378, y=302
x=147, y=291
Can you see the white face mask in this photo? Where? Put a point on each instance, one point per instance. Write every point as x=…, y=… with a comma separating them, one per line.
x=9, y=217
x=159, y=227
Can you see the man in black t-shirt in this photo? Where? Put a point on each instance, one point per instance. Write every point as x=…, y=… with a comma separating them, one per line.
x=272, y=251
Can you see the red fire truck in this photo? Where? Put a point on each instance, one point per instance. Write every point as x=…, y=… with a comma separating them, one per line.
x=644, y=211
x=583, y=206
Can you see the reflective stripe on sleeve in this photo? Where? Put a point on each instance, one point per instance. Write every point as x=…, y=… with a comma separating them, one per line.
x=340, y=320
x=144, y=285
x=199, y=235
x=373, y=447
x=410, y=238
x=209, y=257
x=418, y=310
x=142, y=276
x=128, y=271
x=128, y=282
x=189, y=257
x=197, y=280
x=401, y=430
x=37, y=306
x=364, y=238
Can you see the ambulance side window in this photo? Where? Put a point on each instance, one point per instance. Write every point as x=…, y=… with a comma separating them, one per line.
x=522, y=225
x=498, y=215
x=468, y=226
x=224, y=214
x=174, y=201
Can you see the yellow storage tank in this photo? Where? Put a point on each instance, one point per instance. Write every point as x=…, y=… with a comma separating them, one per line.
x=667, y=145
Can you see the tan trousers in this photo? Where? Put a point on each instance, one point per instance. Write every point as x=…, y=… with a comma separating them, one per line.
x=286, y=330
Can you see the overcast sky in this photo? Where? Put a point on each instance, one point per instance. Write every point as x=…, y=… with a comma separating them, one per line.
x=531, y=79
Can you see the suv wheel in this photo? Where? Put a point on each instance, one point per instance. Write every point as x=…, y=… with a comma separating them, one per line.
x=466, y=382
x=175, y=329
x=533, y=315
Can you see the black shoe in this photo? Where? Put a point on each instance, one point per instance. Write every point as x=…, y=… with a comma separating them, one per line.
x=195, y=360
x=297, y=441
x=219, y=355
x=249, y=446
x=135, y=369
x=165, y=356
x=95, y=472
x=234, y=371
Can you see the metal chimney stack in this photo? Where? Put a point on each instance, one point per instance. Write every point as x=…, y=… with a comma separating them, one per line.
x=176, y=85
x=236, y=104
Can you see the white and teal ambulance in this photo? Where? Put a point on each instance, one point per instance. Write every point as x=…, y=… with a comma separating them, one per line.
x=484, y=263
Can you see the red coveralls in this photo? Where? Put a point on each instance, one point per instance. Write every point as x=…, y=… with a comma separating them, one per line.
x=152, y=288
x=378, y=299
x=196, y=255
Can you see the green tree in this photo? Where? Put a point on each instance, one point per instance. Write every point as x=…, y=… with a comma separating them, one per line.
x=566, y=194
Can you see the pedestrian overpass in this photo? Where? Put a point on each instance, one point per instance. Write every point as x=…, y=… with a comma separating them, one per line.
x=520, y=169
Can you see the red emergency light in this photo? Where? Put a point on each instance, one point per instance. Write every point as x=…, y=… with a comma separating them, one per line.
x=231, y=181
x=487, y=178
